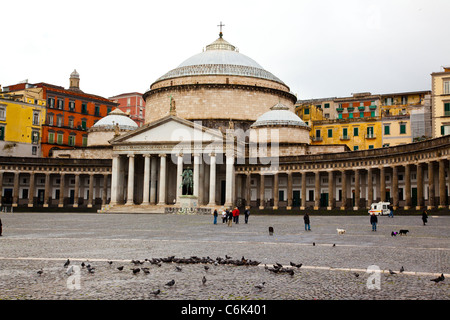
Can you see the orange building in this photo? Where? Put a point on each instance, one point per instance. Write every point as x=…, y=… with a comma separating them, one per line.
x=132, y=104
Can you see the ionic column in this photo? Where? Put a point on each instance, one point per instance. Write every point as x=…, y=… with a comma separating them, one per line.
x=261, y=192
x=30, y=193
x=153, y=175
x=105, y=189
x=303, y=205
x=441, y=184
x=330, y=190
x=114, y=179
x=248, y=190
x=229, y=181
x=369, y=187
x=289, y=191
x=344, y=190
x=179, y=176
x=146, y=189
x=430, y=186
x=275, y=191
x=16, y=189
x=382, y=184
x=407, y=187
x=91, y=190
x=162, y=180
x=77, y=190
x=61, y=190
x=47, y=189
x=395, y=187
x=197, y=174
x=420, y=198
x=357, y=190
x=130, y=184
x=212, y=180
x=317, y=191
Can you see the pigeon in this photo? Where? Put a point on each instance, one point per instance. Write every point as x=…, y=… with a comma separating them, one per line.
x=314, y=243
x=270, y=230
x=136, y=270
x=290, y=271
x=402, y=269
x=278, y=265
x=110, y=262
x=439, y=279
x=334, y=244
x=204, y=280
x=260, y=286
x=40, y=272
x=296, y=265
x=178, y=268
x=146, y=270
x=120, y=268
x=356, y=274
x=170, y=283
x=227, y=257
x=91, y=269
x=67, y=263
x=83, y=265
x=156, y=292
x=392, y=272
x=206, y=267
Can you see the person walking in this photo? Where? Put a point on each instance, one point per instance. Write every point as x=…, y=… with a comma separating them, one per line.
x=224, y=216
x=307, y=222
x=424, y=217
x=246, y=214
x=215, y=216
x=374, y=221
x=236, y=215
x=1, y=228
x=229, y=218
x=391, y=211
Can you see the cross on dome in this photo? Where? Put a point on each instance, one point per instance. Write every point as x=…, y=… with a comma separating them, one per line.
x=221, y=25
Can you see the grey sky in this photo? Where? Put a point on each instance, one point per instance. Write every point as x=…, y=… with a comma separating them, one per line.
x=318, y=48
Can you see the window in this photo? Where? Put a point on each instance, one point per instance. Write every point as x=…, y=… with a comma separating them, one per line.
x=371, y=146
x=35, y=137
x=388, y=101
x=50, y=119
x=60, y=104
x=59, y=138
x=327, y=105
x=51, y=137
x=361, y=114
x=350, y=115
x=445, y=130
x=447, y=87
x=59, y=120
x=70, y=122
x=34, y=150
x=318, y=133
x=447, y=109
x=84, y=108
x=370, y=132
x=71, y=140
x=128, y=101
x=35, y=118
x=83, y=124
x=356, y=131
x=72, y=106
x=2, y=133
x=97, y=111
x=387, y=130
x=355, y=148
x=51, y=102
x=402, y=128
x=306, y=110
x=84, y=140
x=344, y=133
x=330, y=133
x=3, y=113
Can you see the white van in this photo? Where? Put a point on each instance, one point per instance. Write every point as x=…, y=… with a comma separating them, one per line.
x=380, y=208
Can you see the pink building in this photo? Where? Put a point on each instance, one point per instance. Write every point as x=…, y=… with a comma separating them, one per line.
x=132, y=104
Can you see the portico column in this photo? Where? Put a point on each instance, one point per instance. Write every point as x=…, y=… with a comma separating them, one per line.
x=47, y=189
x=357, y=190
x=407, y=187
x=369, y=187
x=441, y=184
x=212, y=180
x=344, y=190
x=430, y=186
x=248, y=190
x=303, y=205
x=130, y=184
x=162, y=180
x=289, y=191
x=261, y=192
x=16, y=189
x=1, y=186
x=62, y=193
x=395, y=187
x=153, y=176
x=317, y=191
x=420, y=199
x=114, y=179
x=146, y=189
x=382, y=184
x=179, y=176
x=91, y=190
x=197, y=175
x=229, y=180
x=30, y=193
x=77, y=190
x=275, y=191
x=330, y=191
x=105, y=189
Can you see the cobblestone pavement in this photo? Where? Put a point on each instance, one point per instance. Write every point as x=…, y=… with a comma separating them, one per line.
x=44, y=241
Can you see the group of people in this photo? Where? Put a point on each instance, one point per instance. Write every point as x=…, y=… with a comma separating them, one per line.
x=230, y=216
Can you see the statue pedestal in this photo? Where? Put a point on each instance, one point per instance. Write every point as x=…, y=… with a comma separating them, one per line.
x=188, y=202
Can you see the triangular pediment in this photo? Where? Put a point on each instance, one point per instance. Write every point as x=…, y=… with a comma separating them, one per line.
x=170, y=129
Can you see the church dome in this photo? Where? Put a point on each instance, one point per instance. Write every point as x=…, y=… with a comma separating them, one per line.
x=220, y=58
x=279, y=115
x=116, y=117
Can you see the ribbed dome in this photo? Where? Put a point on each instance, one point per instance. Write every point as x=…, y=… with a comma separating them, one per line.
x=279, y=115
x=116, y=117
x=220, y=58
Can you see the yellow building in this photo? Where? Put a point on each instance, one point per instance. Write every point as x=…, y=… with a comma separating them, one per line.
x=440, y=105
x=21, y=126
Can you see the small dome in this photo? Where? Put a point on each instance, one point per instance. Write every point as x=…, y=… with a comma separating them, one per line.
x=75, y=74
x=279, y=115
x=116, y=117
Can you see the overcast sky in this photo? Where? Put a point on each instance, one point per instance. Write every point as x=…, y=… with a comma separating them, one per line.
x=328, y=48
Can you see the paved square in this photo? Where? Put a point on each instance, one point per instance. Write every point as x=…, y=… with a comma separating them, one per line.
x=44, y=241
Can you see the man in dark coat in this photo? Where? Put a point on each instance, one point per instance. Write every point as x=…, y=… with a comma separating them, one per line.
x=306, y=219
x=374, y=221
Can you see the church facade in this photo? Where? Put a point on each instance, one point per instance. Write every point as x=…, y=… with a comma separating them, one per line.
x=221, y=131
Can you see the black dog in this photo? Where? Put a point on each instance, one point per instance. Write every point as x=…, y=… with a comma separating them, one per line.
x=394, y=234
x=403, y=232
x=270, y=230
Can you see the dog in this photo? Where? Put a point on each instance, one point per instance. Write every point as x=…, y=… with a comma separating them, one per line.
x=403, y=232
x=270, y=230
x=394, y=233
x=340, y=231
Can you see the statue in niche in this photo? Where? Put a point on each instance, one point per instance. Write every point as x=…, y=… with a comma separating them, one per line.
x=173, y=109
x=187, y=182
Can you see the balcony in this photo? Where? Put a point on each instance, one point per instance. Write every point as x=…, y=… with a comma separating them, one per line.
x=446, y=113
x=350, y=109
x=344, y=137
x=371, y=136
x=361, y=108
x=316, y=139
x=339, y=109
x=372, y=107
